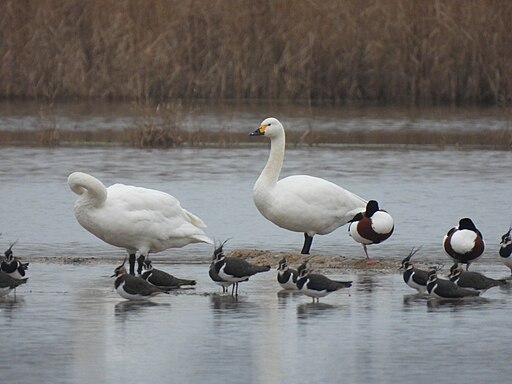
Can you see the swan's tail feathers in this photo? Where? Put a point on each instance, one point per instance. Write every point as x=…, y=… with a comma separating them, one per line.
x=203, y=239
x=194, y=219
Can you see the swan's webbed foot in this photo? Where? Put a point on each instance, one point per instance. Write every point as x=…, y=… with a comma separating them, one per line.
x=308, y=240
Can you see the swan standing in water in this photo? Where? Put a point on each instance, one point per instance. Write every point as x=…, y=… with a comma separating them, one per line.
x=300, y=203
x=137, y=219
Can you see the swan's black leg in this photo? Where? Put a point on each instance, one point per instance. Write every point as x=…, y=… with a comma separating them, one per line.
x=307, y=244
x=131, y=260
x=140, y=261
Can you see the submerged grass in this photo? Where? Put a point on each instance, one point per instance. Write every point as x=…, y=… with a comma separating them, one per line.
x=412, y=52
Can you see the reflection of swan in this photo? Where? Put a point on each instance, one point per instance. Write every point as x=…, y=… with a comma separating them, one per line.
x=134, y=218
x=300, y=203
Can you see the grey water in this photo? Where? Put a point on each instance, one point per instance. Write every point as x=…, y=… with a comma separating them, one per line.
x=67, y=325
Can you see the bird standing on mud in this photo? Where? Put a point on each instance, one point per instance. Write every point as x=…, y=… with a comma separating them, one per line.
x=234, y=270
x=300, y=203
x=372, y=226
x=137, y=219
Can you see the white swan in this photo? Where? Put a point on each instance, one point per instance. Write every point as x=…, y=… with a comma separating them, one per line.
x=300, y=203
x=137, y=219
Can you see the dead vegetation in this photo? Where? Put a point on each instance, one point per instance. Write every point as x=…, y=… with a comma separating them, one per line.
x=411, y=52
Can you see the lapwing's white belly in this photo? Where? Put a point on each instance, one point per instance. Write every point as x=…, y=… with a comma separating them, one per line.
x=120, y=290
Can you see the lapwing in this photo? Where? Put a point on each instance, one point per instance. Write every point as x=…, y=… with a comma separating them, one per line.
x=8, y=283
x=473, y=280
x=162, y=279
x=217, y=279
x=446, y=289
x=316, y=285
x=140, y=220
x=286, y=276
x=506, y=249
x=235, y=270
x=12, y=266
x=464, y=243
x=372, y=226
x=132, y=287
x=414, y=277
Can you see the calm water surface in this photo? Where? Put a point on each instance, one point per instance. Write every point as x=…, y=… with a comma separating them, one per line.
x=427, y=192
x=69, y=326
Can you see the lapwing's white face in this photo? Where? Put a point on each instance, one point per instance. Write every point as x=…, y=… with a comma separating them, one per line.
x=431, y=278
x=283, y=266
x=119, y=271
x=506, y=239
x=407, y=266
x=147, y=266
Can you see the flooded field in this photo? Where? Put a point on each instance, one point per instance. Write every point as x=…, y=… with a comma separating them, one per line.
x=69, y=326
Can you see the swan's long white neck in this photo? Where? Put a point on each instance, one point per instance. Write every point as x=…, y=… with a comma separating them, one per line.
x=272, y=170
x=89, y=188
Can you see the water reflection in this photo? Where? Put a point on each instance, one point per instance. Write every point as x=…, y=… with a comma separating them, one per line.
x=313, y=310
x=129, y=308
x=434, y=304
x=10, y=305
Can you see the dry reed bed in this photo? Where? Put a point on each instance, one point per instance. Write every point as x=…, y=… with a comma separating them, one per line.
x=402, y=51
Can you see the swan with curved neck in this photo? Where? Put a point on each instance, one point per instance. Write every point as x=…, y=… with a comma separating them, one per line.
x=300, y=203
x=136, y=219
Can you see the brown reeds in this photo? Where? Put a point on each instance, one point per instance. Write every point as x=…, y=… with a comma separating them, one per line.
x=397, y=51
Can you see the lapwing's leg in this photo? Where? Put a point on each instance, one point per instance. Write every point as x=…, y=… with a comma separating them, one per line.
x=140, y=261
x=131, y=260
x=307, y=244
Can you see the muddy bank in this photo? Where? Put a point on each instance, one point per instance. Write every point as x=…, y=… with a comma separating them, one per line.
x=256, y=256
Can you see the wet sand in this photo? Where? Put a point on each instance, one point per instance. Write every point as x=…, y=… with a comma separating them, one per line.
x=255, y=256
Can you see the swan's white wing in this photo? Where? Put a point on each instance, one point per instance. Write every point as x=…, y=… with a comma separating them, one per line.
x=303, y=202
x=143, y=219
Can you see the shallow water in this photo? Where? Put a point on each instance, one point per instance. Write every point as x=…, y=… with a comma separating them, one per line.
x=69, y=326
x=427, y=192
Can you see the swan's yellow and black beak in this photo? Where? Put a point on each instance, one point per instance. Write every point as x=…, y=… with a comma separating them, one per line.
x=260, y=131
